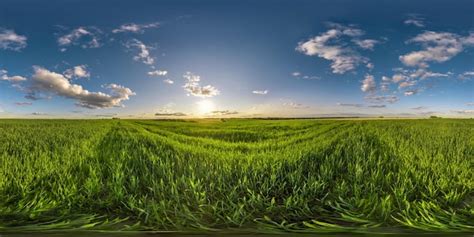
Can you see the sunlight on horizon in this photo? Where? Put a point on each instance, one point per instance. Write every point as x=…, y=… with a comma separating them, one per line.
x=205, y=107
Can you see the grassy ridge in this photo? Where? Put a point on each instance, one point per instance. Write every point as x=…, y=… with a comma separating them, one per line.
x=261, y=175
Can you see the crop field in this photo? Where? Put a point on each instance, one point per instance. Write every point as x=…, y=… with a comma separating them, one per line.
x=237, y=175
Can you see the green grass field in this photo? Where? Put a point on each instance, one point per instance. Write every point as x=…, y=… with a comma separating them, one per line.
x=237, y=175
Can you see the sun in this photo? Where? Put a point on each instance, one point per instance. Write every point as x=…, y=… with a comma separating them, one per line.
x=205, y=106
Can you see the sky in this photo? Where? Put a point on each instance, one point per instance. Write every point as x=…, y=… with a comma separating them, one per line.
x=229, y=58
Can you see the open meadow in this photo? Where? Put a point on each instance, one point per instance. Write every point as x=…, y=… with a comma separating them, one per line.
x=251, y=175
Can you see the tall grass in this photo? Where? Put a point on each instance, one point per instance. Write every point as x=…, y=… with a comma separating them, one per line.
x=251, y=175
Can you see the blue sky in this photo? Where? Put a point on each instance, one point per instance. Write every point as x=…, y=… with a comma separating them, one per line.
x=194, y=58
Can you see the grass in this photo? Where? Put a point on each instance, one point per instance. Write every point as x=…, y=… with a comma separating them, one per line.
x=311, y=176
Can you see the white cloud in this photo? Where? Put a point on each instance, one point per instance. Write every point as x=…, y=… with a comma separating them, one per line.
x=370, y=66
x=407, y=84
x=168, y=81
x=158, y=73
x=409, y=78
x=415, y=20
x=384, y=86
x=398, y=78
x=366, y=44
x=424, y=74
x=368, y=84
x=411, y=92
x=347, y=30
x=45, y=81
x=143, y=51
x=466, y=75
x=306, y=77
x=86, y=37
x=193, y=87
x=262, y=92
x=470, y=104
x=135, y=28
x=299, y=75
x=342, y=58
x=9, y=40
x=437, y=47
x=296, y=74
x=4, y=77
x=79, y=71
x=421, y=73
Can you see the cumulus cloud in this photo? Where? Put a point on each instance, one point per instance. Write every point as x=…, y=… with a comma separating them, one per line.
x=86, y=37
x=370, y=66
x=47, y=82
x=143, y=51
x=327, y=45
x=398, y=78
x=14, y=79
x=420, y=73
x=368, y=84
x=407, y=78
x=424, y=74
x=411, y=92
x=79, y=71
x=406, y=84
x=414, y=20
x=366, y=43
x=260, y=92
x=168, y=81
x=437, y=47
x=158, y=73
x=193, y=87
x=135, y=28
x=384, y=86
x=9, y=40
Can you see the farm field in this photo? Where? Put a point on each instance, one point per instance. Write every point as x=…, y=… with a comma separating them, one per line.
x=261, y=176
